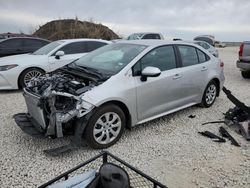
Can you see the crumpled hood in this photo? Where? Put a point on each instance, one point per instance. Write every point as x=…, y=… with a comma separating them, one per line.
x=21, y=59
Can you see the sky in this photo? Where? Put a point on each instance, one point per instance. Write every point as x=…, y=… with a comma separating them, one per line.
x=227, y=20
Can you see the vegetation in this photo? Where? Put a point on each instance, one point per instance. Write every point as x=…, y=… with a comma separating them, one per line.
x=73, y=28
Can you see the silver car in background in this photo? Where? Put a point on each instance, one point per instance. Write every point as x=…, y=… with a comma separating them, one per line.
x=119, y=86
x=208, y=47
x=145, y=35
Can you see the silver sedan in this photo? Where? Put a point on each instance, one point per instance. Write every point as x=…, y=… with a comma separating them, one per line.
x=119, y=86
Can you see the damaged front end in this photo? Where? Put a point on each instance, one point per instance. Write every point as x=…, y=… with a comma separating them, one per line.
x=54, y=104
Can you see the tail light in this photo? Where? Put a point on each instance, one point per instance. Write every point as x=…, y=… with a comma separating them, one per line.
x=241, y=50
x=221, y=64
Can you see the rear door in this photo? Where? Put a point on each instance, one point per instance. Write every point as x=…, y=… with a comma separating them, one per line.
x=158, y=94
x=195, y=65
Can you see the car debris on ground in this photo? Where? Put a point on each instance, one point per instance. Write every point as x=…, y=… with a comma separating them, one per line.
x=237, y=118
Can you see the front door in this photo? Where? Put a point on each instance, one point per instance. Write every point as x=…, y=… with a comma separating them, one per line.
x=159, y=94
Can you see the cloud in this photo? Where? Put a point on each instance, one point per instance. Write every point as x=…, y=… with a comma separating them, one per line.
x=228, y=19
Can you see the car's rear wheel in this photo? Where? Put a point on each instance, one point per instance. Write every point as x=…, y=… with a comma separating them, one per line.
x=245, y=74
x=210, y=94
x=27, y=75
x=105, y=127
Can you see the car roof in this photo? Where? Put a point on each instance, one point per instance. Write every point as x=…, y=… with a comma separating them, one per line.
x=36, y=38
x=83, y=39
x=153, y=42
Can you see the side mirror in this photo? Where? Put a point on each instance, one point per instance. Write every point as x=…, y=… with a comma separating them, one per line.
x=149, y=72
x=59, y=54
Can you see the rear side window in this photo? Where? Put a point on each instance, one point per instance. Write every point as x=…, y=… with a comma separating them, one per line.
x=161, y=57
x=93, y=45
x=34, y=43
x=188, y=55
x=12, y=43
x=202, y=56
x=74, y=48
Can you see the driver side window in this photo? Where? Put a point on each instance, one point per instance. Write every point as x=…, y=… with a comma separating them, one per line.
x=161, y=57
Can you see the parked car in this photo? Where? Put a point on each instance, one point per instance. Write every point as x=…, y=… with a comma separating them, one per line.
x=208, y=47
x=244, y=59
x=20, y=45
x=16, y=71
x=10, y=35
x=121, y=85
x=207, y=38
x=220, y=44
x=139, y=36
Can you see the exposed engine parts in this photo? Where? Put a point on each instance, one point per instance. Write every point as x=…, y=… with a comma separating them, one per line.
x=59, y=82
x=56, y=99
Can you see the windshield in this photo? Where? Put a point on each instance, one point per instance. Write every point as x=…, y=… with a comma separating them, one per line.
x=111, y=58
x=47, y=48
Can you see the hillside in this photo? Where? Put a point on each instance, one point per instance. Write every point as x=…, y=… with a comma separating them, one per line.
x=70, y=28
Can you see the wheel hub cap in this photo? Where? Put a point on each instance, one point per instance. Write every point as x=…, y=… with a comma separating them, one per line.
x=107, y=128
x=31, y=74
x=210, y=94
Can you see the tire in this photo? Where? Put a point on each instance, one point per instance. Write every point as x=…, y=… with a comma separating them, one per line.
x=98, y=122
x=245, y=74
x=27, y=74
x=210, y=94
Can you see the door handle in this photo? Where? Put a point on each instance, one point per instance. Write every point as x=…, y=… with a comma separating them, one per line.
x=203, y=68
x=177, y=76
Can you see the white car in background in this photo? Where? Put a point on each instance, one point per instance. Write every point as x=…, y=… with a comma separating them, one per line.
x=16, y=71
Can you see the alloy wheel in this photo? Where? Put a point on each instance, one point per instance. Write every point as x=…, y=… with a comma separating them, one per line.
x=211, y=94
x=31, y=74
x=107, y=128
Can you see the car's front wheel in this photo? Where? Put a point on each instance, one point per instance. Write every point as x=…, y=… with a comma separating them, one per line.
x=27, y=75
x=210, y=94
x=105, y=127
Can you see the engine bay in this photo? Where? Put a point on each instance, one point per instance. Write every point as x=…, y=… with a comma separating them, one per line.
x=60, y=82
x=58, y=100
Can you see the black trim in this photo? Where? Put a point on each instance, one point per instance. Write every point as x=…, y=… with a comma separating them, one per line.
x=178, y=56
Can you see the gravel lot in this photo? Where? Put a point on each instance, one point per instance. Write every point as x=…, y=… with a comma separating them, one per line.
x=169, y=148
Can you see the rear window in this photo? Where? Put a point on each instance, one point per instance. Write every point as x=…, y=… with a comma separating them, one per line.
x=151, y=36
x=246, y=50
x=12, y=43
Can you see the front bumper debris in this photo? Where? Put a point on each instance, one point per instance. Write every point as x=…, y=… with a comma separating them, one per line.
x=28, y=125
